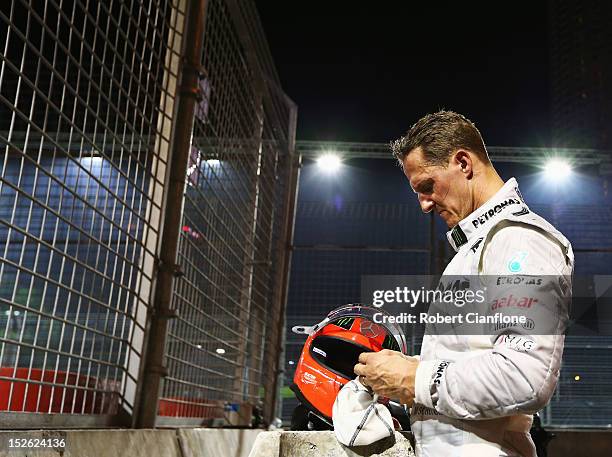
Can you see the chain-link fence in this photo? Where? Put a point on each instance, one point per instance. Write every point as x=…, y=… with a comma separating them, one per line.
x=235, y=220
x=90, y=98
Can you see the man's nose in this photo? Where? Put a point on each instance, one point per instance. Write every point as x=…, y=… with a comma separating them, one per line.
x=426, y=203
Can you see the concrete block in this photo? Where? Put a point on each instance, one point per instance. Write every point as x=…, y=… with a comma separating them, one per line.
x=96, y=443
x=203, y=442
x=297, y=444
x=267, y=444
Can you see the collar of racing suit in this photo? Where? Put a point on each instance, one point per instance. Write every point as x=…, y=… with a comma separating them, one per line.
x=507, y=200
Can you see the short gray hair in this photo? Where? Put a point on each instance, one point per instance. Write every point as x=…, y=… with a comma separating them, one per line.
x=439, y=135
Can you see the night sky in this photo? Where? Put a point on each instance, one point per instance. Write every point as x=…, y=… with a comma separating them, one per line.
x=365, y=71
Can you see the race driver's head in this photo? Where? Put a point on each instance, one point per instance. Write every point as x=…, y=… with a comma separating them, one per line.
x=446, y=162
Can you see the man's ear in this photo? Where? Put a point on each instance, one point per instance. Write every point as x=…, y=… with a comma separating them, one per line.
x=463, y=159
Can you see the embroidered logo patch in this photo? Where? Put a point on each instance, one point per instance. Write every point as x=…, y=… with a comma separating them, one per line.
x=515, y=264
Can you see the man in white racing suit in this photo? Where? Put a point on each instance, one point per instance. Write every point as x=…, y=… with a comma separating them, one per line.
x=474, y=393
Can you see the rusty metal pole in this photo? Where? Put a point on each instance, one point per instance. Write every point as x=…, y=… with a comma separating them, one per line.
x=272, y=394
x=167, y=269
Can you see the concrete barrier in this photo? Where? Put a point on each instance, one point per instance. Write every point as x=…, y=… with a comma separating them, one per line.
x=91, y=443
x=298, y=444
x=196, y=442
x=188, y=442
x=203, y=442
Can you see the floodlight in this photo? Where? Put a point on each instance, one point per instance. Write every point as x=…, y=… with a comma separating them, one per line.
x=213, y=162
x=220, y=351
x=557, y=169
x=329, y=163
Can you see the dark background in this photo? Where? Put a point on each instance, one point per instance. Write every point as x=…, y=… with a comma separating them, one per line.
x=365, y=71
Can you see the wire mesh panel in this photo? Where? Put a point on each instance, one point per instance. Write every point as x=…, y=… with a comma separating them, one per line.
x=582, y=398
x=234, y=216
x=85, y=98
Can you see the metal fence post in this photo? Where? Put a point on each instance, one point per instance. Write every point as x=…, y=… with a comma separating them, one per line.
x=167, y=268
x=276, y=371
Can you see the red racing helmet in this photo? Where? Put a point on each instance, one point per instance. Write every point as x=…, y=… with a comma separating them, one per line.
x=332, y=350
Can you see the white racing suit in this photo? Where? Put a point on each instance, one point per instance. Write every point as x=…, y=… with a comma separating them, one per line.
x=476, y=393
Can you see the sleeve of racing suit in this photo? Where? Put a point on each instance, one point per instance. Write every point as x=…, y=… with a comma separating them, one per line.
x=514, y=369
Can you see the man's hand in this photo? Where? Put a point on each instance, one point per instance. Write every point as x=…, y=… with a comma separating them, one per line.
x=388, y=373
